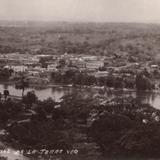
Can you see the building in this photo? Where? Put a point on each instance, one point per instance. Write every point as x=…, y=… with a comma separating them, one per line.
x=37, y=80
x=101, y=74
x=94, y=64
x=78, y=62
x=90, y=58
x=19, y=68
x=52, y=67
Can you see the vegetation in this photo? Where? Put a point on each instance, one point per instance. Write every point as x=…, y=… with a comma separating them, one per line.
x=139, y=41
x=121, y=127
x=93, y=124
x=127, y=130
x=141, y=82
x=22, y=84
x=5, y=74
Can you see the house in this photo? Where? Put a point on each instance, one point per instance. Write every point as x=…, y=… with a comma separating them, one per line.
x=90, y=58
x=52, y=67
x=154, y=66
x=101, y=74
x=19, y=68
x=36, y=80
x=33, y=73
x=94, y=64
x=78, y=62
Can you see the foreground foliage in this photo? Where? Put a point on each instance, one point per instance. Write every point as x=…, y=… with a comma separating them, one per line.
x=116, y=127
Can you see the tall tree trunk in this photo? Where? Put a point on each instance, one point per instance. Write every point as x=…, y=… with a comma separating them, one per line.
x=22, y=92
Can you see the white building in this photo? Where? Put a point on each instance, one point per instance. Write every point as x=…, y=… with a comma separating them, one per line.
x=94, y=64
x=101, y=74
x=19, y=68
x=52, y=67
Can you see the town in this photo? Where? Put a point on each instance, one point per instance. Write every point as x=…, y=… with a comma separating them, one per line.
x=89, y=88
x=79, y=80
x=84, y=70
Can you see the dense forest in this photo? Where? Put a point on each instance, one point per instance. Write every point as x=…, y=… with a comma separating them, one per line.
x=137, y=41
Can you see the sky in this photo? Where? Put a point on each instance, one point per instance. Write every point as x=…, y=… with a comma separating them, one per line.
x=81, y=10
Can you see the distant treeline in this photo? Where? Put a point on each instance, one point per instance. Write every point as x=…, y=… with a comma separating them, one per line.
x=77, y=78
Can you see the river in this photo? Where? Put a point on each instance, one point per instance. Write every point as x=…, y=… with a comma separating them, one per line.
x=57, y=92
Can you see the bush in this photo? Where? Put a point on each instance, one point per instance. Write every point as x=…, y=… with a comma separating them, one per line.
x=118, y=135
x=38, y=135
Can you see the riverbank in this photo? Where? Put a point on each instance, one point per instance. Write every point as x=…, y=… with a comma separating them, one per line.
x=44, y=86
x=57, y=91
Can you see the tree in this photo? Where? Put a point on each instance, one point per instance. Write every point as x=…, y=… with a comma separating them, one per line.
x=6, y=93
x=5, y=73
x=30, y=98
x=125, y=132
x=142, y=82
x=22, y=85
x=62, y=62
x=43, y=62
x=48, y=105
x=0, y=96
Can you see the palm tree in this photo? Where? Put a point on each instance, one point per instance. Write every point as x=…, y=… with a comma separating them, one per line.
x=22, y=84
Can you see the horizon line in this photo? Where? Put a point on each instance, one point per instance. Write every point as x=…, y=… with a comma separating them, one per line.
x=76, y=21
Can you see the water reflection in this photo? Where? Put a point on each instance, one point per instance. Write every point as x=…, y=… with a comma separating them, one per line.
x=5, y=86
x=57, y=92
x=144, y=97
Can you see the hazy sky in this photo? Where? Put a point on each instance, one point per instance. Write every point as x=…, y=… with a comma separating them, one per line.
x=81, y=10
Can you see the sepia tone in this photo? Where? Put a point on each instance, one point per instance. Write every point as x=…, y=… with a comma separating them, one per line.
x=79, y=79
